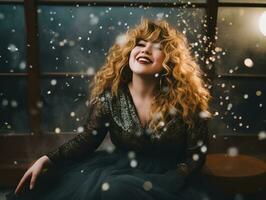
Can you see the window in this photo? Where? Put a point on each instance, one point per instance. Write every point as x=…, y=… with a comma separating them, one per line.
x=45, y=77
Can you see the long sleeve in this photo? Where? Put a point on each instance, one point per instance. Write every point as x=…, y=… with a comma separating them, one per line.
x=86, y=142
x=196, y=148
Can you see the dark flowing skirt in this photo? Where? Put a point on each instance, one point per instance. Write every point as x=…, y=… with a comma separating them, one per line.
x=118, y=176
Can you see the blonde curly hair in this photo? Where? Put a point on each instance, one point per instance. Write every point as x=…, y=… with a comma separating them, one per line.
x=181, y=90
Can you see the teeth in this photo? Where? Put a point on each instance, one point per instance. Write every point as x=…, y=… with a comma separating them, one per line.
x=144, y=59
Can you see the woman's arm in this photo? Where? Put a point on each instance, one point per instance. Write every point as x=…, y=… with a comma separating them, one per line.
x=87, y=142
x=197, y=146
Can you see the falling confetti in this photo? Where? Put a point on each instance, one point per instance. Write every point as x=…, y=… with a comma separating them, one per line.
x=57, y=130
x=232, y=151
x=131, y=155
x=12, y=48
x=94, y=132
x=105, y=186
x=195, y=157
x=262, y=135
x=203, y=149
x=248, y=62
x=22, y=65
x=147, y=185
x=80, y=129
x=121, y=40
x=72, y=114
x=133, y=163
x=258, y=93
x=4, y=102
x=53, y=82
x=204, y=114
x=2, y=16
x=14, y=103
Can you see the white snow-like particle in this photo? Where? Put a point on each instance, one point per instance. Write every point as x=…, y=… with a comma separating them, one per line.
x=245, y=96
x=80, y=129
x=14, y=103
x=232, y=151
x=57, y=130
x=72, y=114
x=161, y=123
x=93, y=20
x=159, y=15
x=216, y=113
x=204, y=114
x=156, y=75
x=94, y=132
x=53, y=82
x=4, y=102
x=248, y=62
x=131, y=154
x=90, y=71
x=2, y=16
x=133, y=163
x=105, y=186
x=39, y=104
x=147, y=185
x=22, y=65
x=203, y=149
x=262, y=135
x=195, y=157
x=121, y=40
x=229, y=106
x=12, y=48
x=258, y=93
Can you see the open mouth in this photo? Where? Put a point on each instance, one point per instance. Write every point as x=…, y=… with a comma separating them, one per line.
x=144, y=60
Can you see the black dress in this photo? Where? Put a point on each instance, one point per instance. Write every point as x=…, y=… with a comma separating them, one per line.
x=142, y=165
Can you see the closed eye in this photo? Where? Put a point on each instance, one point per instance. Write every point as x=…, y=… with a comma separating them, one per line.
x=140, y=44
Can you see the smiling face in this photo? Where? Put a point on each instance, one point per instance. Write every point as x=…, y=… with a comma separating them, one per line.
x=146, y=58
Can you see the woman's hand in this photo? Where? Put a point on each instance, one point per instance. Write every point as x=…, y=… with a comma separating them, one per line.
x=32, y=173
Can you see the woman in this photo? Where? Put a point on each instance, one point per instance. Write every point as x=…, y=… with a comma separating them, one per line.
x=150, y=97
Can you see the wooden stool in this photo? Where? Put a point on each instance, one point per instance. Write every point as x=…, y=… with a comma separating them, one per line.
x=238, y=174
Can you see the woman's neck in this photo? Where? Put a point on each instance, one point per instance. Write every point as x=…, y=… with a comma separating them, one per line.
x=143, y=86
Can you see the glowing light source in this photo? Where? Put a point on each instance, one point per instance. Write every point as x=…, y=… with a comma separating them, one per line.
x=262, y=23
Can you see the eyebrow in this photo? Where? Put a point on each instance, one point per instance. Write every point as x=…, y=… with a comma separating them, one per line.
x=147, y=41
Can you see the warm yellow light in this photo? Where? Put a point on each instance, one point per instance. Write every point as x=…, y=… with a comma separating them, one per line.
x=262, y=23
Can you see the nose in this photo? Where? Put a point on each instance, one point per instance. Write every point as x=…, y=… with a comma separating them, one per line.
x=146, y=49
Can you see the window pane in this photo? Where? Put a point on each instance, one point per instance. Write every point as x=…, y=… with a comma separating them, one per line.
x=64, y=101
x=13, y=107
x=240, y=107
x=242, y=35
x=12, y=43
x=75, y=38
